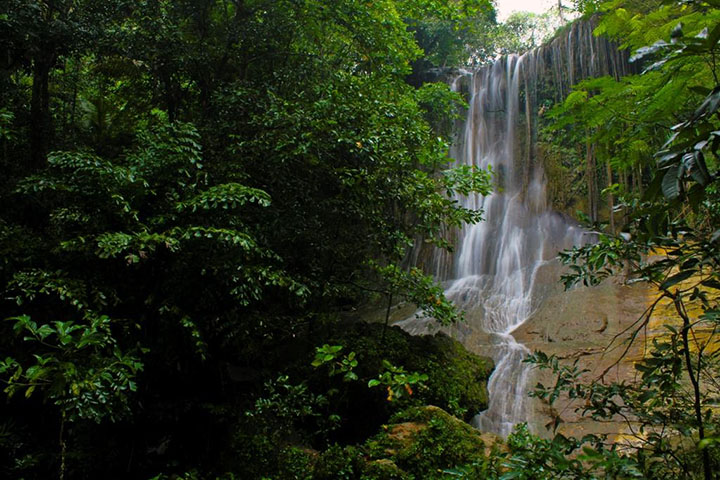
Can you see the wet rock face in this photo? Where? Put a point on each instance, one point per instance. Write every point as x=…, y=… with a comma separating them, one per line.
x=581, y=323
x=586, y=324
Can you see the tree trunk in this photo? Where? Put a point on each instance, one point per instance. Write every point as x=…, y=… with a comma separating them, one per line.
x=626, y=189
x=387, y=318
x=590, y=177
x=73, y=108
x=694, y=380
x=611, y=198
x=63, y=446
x=638, y=179
x=40, y=121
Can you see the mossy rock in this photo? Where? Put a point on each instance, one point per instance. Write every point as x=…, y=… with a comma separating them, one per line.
x=383, y=469
x=421, y=443
x=457, y=379
x=351, y=463
x=262, y=445
x=427, y=443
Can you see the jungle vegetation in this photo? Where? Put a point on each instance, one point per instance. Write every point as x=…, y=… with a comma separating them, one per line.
x=197, y=195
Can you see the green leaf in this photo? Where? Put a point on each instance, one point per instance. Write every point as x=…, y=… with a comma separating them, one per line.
x=671, y=183
x=677, y=278
x=708, y=442
x=700, y=90
x=695, y=164
x=713, y=37
x=29, y=391
x=711, y=283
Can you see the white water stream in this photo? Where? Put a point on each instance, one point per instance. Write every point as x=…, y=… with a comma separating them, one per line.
x=504, y=266
x=495, y=273
x=498, y=259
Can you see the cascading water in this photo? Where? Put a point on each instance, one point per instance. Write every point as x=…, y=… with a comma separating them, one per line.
x=499, y=272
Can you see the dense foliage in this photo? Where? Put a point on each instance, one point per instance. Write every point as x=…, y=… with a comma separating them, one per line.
x=197, y=192
x=190, y=191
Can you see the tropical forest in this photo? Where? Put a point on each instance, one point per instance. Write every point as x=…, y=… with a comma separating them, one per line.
x=359, y=239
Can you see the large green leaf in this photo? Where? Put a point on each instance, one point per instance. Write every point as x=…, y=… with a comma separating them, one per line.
x=677, y=278
x=671, y=186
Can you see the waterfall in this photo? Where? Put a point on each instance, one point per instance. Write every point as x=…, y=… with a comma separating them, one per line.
x=504, y=266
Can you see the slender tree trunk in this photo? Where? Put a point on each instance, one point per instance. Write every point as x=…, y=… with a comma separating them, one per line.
x=63, y=446
x=626, y=188
x=169, y=94
x=387, y=317
x=694, y=380
x=611, y=197
x=638, y=179
x=40, y=128
x=590, y=176
x=73, y=109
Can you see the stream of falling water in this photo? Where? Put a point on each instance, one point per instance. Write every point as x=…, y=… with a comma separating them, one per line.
x=504, y=266
x=493, y=275
x=499, y=259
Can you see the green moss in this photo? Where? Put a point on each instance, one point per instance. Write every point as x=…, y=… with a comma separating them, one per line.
x=421, y=443
x=251, y=455
x=457, y=378
x=383, y=470
x=427, y=441
x=351, y=463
